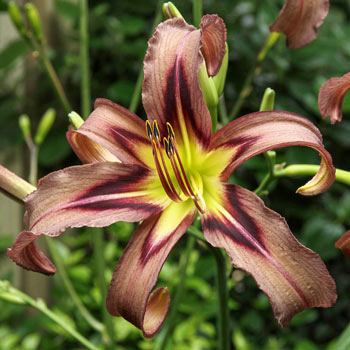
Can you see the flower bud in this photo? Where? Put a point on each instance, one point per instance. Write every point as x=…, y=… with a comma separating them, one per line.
x=208, y=87
x=220, y=78
x=268, y=100
x=75, y=119
x=170, y=11
x=16, y=17
x=45, y=126
x=34, y=21
x=24, y=124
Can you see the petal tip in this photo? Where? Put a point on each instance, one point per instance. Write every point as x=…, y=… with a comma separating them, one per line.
x=343, y=243
x=31, y=258
x=156, y=311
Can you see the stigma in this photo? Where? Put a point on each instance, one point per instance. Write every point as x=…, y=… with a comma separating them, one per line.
x=168, y=148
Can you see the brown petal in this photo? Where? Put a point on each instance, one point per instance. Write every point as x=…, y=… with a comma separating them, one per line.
x=299, y=21
x=171, y=91
x=259, y=132
x=112, y=133
x=343, y=243
x=330, y=98
x=213, y=42
x=137, y=271
x=258, y=240
x=94, y=195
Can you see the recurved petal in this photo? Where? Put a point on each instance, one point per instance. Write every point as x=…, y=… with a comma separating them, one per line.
x=258, y=240
x=213, y=42
x=299, y=21
x=171, y=91
x=137, y=271
x=95, y=195
x=112, y=133
x=343, y=243
x=27, y=254
x=259, y=132
x=330, y=98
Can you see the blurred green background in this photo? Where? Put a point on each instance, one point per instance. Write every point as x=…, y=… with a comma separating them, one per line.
x=119, y=31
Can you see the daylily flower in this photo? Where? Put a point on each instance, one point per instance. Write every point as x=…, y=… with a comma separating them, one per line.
x=299, y=21
x=331, y=96
x=167, y=169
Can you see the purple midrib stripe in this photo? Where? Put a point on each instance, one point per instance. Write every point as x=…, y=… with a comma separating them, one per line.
x=272, y=261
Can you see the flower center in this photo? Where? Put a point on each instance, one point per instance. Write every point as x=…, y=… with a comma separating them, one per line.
x=190, y=187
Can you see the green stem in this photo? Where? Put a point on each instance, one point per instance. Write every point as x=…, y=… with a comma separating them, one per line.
x=84, y=60
x=197, y=10
x=136, y=95
x=13, y=185
x=98, y=249
x=223, y=312
x=169, y=327
x=255, y=70
x=33, y=166
x=40, y=305
x=69, y=287
x=54, y=79
x=342, y=176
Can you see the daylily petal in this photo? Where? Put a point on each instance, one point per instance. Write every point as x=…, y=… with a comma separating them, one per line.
x=258, y=240
x=171, y=91
x=330, y=98
x=343, y=243
x=137, y=271
x=213, y=40
x=95, y=195
x=299, y=21
x=112, y=133
x=27, y=254
x=259, y=132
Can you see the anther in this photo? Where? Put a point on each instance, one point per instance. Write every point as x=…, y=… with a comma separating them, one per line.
x=155, y=130
x=171, y=146
x=149, y=129
x=166, y=146
x=170, y=131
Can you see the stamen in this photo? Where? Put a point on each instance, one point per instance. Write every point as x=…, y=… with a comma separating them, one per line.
x=169, y=191
x=175, y=168
x=176, y=164
x=182, y=168
x=157, y=143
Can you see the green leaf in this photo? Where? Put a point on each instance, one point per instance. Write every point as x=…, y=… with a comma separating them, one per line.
x=343, y=342
x=13, y=51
